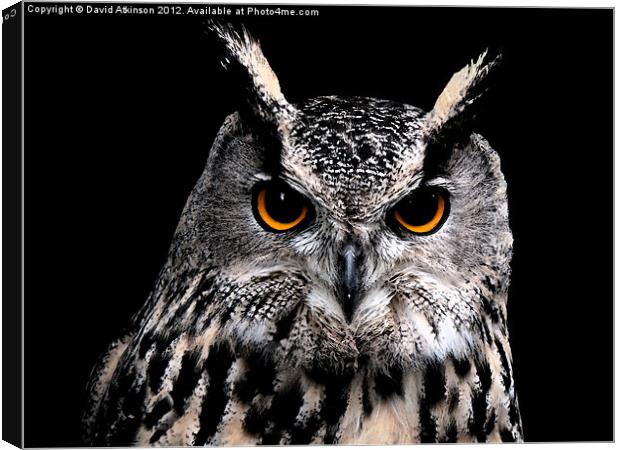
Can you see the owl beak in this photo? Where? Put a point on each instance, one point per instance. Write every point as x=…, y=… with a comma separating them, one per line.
x=349, y=277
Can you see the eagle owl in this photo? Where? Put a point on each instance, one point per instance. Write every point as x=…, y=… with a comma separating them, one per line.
x=339, y=274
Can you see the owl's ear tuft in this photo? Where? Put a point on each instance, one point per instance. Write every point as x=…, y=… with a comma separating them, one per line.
x=449, y=122
x=263, y=101
x=452, y=106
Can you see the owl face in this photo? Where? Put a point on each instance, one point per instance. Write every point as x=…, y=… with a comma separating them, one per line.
x=351, y=230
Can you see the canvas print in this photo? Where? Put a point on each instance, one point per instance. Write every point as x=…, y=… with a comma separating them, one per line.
x=280, y=224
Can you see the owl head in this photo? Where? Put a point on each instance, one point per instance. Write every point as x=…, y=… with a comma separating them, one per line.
x=349, y=231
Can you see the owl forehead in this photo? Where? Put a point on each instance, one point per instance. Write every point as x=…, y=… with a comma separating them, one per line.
x=349, y=152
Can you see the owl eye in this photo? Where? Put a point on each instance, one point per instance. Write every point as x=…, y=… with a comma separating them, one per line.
x=279, y=208
x=423, y=211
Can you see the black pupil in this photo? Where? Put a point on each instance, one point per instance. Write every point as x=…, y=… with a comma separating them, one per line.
x=283, y=205
x=419, y=208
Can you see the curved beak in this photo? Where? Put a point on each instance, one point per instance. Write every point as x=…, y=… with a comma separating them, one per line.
x=349, y=268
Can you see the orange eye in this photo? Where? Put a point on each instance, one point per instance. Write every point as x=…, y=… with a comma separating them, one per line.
x=279, y=208
x=423, y=211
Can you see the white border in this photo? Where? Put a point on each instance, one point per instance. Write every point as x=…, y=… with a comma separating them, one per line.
x=554, y=4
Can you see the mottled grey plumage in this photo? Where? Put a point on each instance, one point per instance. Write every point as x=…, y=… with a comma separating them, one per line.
x=247, y=337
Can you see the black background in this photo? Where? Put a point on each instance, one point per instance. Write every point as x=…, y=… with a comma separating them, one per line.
x=121, y=111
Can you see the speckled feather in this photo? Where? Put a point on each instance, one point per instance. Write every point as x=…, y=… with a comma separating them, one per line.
x=243, y=339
